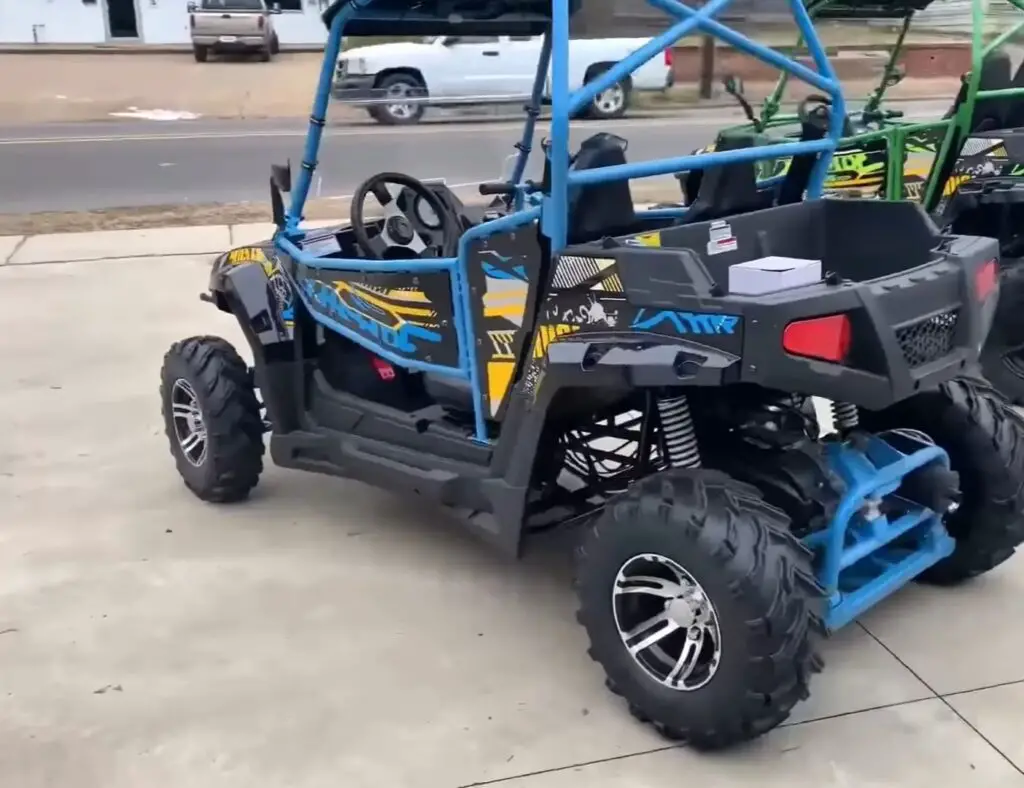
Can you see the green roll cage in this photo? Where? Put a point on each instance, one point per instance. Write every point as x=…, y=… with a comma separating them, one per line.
x=897, y=133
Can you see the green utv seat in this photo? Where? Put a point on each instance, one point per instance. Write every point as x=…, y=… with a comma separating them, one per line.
x=988, y=113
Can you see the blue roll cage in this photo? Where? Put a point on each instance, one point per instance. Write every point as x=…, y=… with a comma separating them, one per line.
x=551, y=209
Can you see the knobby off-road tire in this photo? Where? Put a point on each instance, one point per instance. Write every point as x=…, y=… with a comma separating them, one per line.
x=984, y=438
x=758, y=578
x=230, y=414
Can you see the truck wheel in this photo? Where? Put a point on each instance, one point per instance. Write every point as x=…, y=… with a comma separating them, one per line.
x=266, y=52
x=275, y=45
x=984, y=437
x=611, y=103
x=398, y=86
x=212, y=419
x=200, y=53
x=701, y=607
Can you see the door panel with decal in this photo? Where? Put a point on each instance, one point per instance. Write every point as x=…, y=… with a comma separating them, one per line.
x=859, y=170
x=920, y=152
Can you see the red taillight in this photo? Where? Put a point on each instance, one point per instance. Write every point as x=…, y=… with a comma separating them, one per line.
x=262, y=22
x=192, y=21
x=986, y=279
x=668, y=56
x=825, y=338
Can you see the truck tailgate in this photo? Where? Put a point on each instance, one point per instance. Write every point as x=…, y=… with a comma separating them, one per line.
x=228, y=23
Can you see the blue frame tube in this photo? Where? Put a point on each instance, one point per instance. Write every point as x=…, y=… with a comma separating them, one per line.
x=647, y=169
x=556, y=202
x=525, y=145
x=823, y=81
x=565, y=104
x=318, y=117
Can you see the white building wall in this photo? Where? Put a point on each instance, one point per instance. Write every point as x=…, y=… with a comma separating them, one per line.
x=301, y=27
x=161, y=22
x=51, y=22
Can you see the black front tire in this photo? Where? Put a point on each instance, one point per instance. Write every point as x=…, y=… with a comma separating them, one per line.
x=231, y=416
x=984, y=438
x=757, y=576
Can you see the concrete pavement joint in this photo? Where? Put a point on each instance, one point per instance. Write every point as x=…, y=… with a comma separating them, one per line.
x=942, y=698
x=682, y=746
x=144, y=256
x=14, y=249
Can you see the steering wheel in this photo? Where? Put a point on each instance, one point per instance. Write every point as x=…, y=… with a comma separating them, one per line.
x=402, y=227
x=817, y=114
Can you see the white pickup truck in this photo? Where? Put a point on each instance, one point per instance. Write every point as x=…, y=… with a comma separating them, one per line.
x=396, y=81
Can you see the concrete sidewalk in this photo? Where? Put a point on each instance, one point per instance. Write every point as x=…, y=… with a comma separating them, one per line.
x=118, y=244
x=328, y=634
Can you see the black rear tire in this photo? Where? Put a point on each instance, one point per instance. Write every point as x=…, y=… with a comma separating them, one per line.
x=758, y=578
x=230, y=414
x=984, y=438
x=201, y=54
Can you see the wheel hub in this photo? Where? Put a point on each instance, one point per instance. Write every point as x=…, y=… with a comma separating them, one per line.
x=666, y=622
x=189, y=427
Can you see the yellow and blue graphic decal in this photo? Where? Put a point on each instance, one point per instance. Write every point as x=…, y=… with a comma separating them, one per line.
x=397, y=319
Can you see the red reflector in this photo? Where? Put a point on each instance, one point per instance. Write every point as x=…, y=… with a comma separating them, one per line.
x=668, y=56
x=986, y=279
x=384, y=370
x=827, y=338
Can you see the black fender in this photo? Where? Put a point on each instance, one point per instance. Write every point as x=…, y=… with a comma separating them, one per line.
x=249, y=283
x=616, y=363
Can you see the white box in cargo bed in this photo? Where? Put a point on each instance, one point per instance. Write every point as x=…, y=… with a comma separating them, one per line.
x=771, y=274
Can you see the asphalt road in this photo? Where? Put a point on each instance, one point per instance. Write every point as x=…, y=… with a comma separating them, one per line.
x=109, y=165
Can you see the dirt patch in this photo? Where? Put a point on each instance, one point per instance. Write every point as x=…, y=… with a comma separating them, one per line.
x=83, y=87
x=143, y=218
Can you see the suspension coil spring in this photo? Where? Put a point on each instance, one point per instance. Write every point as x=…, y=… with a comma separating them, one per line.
x=679, y=438
x=845, y=415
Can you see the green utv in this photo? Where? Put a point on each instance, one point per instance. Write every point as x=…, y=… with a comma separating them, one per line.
x=966, y=168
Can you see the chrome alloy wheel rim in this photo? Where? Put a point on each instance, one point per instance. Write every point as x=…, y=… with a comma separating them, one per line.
x=189, y=427
x=610, y=100
x=400, y=111
x=666, y=622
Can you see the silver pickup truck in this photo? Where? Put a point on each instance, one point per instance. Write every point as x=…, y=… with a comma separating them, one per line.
x=233, y=26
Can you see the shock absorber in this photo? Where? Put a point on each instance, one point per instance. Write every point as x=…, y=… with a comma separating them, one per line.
x=844, y=416
x=678, y=435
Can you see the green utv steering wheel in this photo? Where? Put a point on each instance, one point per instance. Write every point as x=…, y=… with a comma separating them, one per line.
x=415, y=220
x=818, y=114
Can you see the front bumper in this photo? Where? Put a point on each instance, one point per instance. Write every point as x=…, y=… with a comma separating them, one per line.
x=354, y=87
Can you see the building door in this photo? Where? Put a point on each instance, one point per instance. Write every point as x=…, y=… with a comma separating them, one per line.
x=122, y=19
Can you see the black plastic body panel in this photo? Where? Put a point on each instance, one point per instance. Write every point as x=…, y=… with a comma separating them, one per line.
x=889, y=277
